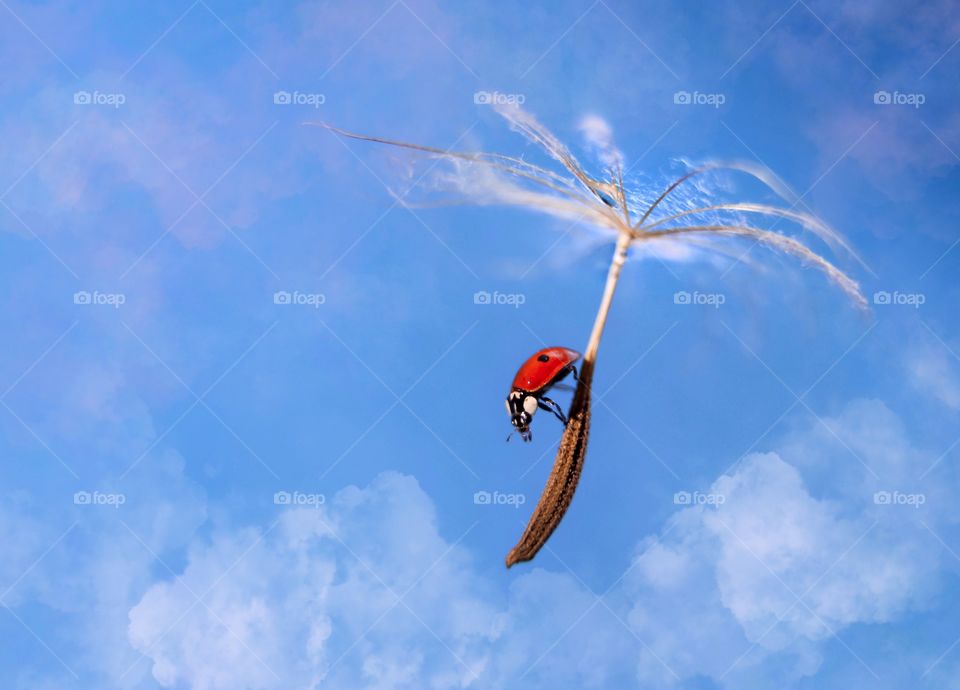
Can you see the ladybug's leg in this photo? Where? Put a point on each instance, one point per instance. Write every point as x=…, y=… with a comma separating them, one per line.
x=549, y=405
x=566, y=386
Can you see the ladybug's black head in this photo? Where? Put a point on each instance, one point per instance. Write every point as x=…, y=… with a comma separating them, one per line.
x=521, y=408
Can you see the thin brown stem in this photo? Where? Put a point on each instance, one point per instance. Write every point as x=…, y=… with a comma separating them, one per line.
x=568, y=465
x=613, y=277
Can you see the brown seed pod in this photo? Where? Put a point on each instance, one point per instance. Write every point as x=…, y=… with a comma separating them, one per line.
x=558, y=492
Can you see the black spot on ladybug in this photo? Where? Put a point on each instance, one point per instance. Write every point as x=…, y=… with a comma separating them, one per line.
x=543, y=358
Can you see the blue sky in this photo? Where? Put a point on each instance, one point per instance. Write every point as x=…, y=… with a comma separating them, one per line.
x=148, y=166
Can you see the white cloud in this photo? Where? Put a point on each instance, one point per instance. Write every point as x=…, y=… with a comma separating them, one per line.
x=598, y=134
x=311, y=599
x=775, y=571
x=933, y=372
x=716, y=594
x=315, y=599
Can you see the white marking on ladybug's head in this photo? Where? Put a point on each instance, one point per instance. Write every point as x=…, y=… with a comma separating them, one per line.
x=520, y=407
x=530, y=405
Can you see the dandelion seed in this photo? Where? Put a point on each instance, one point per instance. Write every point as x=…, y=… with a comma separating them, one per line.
x=492, y=178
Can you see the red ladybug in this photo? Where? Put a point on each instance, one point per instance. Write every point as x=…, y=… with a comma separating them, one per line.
x=534, y=378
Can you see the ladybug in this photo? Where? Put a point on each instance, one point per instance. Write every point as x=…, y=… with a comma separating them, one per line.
x=535, y=377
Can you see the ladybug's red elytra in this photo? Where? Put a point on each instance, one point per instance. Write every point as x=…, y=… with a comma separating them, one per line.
x=535, y=377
